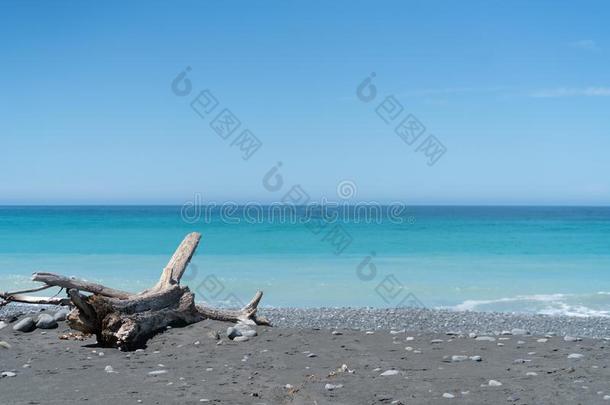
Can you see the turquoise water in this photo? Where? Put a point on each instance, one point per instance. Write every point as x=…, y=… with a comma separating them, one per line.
x=553, y=260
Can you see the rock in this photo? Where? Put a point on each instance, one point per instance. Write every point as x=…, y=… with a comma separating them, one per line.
x=4, y=345
x=475, y=358
x=606, y=397
x=241, y=339
x=436, y=341
x=485, y=338
x=472, y=335
x=575, y=356
x=25, y=325
x=506, y=333
x=109, y=369
x=389, y=373
x=396, y=332
x=157, y=372
x=240, y=330
x=494, y=383
x=331, y=387
x=248, y=333
x=531, y=373
x=233, y=332
x=311, y=355
x=46, y=321
x=337, y=333
x=521, y=361
x=458, y=358
x=542, y=340
x=448, y=395
x=8, y=374
x=571, y=339
x=61, y=315
x=288, y=386
x=517, y=331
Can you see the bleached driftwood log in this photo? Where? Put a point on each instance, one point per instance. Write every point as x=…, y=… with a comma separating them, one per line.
x=124, y=320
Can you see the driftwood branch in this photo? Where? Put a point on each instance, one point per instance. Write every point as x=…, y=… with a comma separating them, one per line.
x=127, y=320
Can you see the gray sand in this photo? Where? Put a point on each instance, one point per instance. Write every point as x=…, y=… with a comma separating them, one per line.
x=292, y=363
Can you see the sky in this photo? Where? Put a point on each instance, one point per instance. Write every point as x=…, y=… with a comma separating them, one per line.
x=93, y=111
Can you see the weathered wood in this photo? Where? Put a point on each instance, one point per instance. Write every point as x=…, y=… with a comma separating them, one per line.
x=127, y=321
x=172, y=273
x=77, y=284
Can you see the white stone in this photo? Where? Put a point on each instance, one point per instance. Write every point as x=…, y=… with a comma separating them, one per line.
x=494, y=383
x=448, y=395
x=389, y=373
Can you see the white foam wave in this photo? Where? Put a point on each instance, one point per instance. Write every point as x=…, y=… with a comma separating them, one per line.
x=545, y=304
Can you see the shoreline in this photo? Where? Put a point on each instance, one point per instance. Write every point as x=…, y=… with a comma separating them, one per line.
x=410, y=319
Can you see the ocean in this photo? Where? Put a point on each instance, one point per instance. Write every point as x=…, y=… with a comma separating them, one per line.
x=547, y=260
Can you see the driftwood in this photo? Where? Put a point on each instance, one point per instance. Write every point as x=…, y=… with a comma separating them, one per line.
x=125, y=320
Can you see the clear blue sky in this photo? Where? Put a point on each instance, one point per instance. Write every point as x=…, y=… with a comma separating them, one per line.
x=518, y=92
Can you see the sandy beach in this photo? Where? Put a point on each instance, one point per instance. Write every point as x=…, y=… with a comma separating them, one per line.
x=319, y=356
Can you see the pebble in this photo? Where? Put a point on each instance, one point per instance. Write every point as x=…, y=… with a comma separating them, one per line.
x=409, y=338
x=606, y=397
x=388, y=373
x=331, y=387
x=396, y=332
x=571, y=339
x=494, y=383
x=241, y=339
x=337, y=333
x=289, y=386
x=8, y=374
x=542, y=340
x=448, y=395
x=575, y=356
x=435, y=341
x=157, y=372
x=485, y=338
x=531, y=373
x=109, y=369
x=25, y=325
x=475, y=358
x=61, y=315
x=46, y=321
x=472, y=335
x=457, y=358
x=4, y=345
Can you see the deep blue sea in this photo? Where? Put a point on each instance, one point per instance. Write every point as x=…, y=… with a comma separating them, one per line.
x=550, y=260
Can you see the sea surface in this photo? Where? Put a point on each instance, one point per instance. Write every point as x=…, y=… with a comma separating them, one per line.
x=548, y=260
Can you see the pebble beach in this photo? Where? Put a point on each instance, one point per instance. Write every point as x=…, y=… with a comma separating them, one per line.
x=316, y=356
